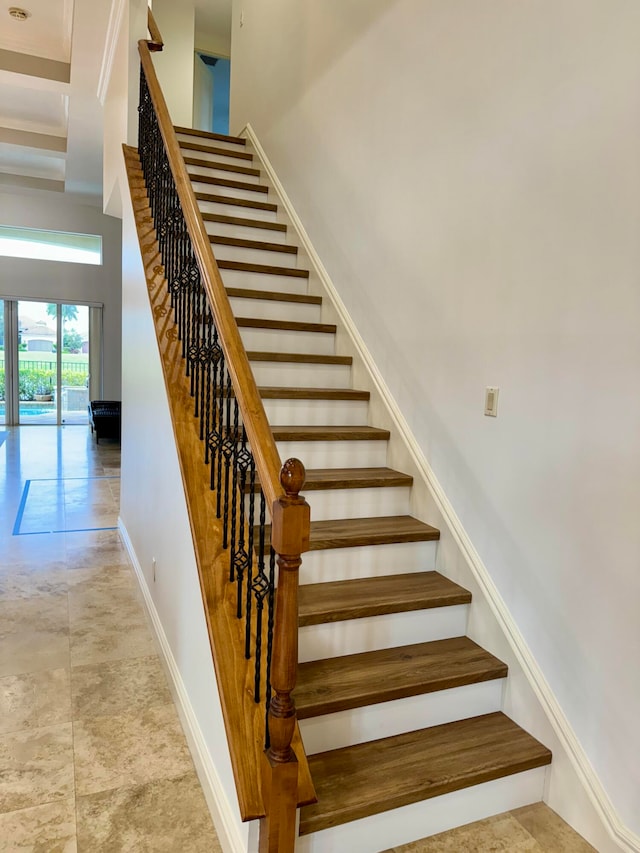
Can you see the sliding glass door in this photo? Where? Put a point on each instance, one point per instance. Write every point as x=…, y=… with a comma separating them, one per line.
x=44, y=362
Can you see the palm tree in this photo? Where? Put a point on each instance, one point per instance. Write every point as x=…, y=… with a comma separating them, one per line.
x=69, y=312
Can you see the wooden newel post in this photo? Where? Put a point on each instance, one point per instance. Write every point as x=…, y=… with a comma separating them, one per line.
x=290, y=520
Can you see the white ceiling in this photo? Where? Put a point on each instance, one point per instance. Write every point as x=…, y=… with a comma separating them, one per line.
x=51, y=122
x=46, y=33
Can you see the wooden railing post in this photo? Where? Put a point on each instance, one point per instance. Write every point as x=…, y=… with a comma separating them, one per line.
x=290, y=521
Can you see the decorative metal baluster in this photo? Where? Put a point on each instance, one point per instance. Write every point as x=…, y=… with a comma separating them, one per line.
x=250, y=556
x=234, y=500
x=214, y=438
x=271, y=611
x=228, y=449
x=260, y=586
x=221, y=430
x=240, y=559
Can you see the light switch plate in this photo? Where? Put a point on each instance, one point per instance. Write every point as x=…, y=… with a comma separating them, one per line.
x=491, y=402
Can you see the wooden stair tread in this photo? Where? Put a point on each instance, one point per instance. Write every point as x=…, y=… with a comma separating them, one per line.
x=329, y=433
x=320, y=603
x=356, y=532
x=239, y=202
x=380, y=530
x=285, y=325
x=354, y=478
x=242, y=243
x=319, y=479
x=228, y=182
x=373, y=777
x=263, y=268
x=244, y=221
x=223, y=167
x=299, y=357
x=286, y=393
x=273, y=295
x=207, y=134
x=353, y=681
x=212, y=149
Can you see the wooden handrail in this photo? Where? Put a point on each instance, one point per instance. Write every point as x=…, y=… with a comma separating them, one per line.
x=280, y=485
x=255, y=421
x=155, y=43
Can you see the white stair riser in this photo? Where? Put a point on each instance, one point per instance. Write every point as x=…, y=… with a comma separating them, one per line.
x=273, y=309
x=316, y=413
x=419, y=820
x=232, y=209
x=264, y=281
x=334, y=504
x=285, y=340
x=358, y=503
x=372, y=633
x=367, y=561
x=245, y=232
x=230, y=192
x=215, y=143
x=256, y=256
x=336, y=454
x=334, y=731
x=301, y=375
x=218, y=158
x=213, y=172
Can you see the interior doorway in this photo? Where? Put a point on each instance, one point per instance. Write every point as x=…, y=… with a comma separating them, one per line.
x=212, y=79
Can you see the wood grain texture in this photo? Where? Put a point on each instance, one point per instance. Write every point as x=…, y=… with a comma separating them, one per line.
x=385, y=774
x=286, y=393
x=207, y=134
x=212, y=149
x=320, y=603
x=223, y=167
x=243, y=718
x=323, y=479
x=238, y=202
x=244, y=221
x=263, y=268
x=298, y=357
x=285, y=325
x=263, y=245
x=274, y=295
x=356, y=532
x=155, y=43
x=230, y=182
x=353, y=681
x=322, y=433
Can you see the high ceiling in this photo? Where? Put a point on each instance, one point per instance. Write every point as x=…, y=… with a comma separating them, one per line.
x=50, y=116
x=51, y=125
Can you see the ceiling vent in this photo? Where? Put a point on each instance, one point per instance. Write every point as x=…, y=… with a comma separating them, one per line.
x=19, y=14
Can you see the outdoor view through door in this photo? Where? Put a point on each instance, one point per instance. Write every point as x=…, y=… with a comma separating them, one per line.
x=49, y=358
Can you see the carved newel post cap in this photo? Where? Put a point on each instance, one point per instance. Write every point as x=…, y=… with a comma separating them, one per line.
x=292, y=477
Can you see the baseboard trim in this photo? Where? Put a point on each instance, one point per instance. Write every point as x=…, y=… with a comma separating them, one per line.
x=627, y=840
x=221, y=814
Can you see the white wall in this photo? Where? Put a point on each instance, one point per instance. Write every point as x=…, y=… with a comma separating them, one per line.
x=468, y=171
x=174, y=65
x=30, y=279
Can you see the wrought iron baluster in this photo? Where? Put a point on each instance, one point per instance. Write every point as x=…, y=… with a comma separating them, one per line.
x=260, y=586
x=271, y=611
x=250, y=556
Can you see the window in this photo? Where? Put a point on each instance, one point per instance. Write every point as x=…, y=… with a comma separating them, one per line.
x=50, y=245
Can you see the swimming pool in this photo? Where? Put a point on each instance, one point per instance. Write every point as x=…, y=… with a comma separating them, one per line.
x=27, y=409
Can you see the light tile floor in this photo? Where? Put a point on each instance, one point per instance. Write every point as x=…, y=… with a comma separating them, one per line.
x=92, y=755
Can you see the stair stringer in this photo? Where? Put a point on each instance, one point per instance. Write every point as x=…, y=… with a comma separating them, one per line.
x=572, y=787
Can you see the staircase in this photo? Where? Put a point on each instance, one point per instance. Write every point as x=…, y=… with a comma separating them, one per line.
x=396, y=705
